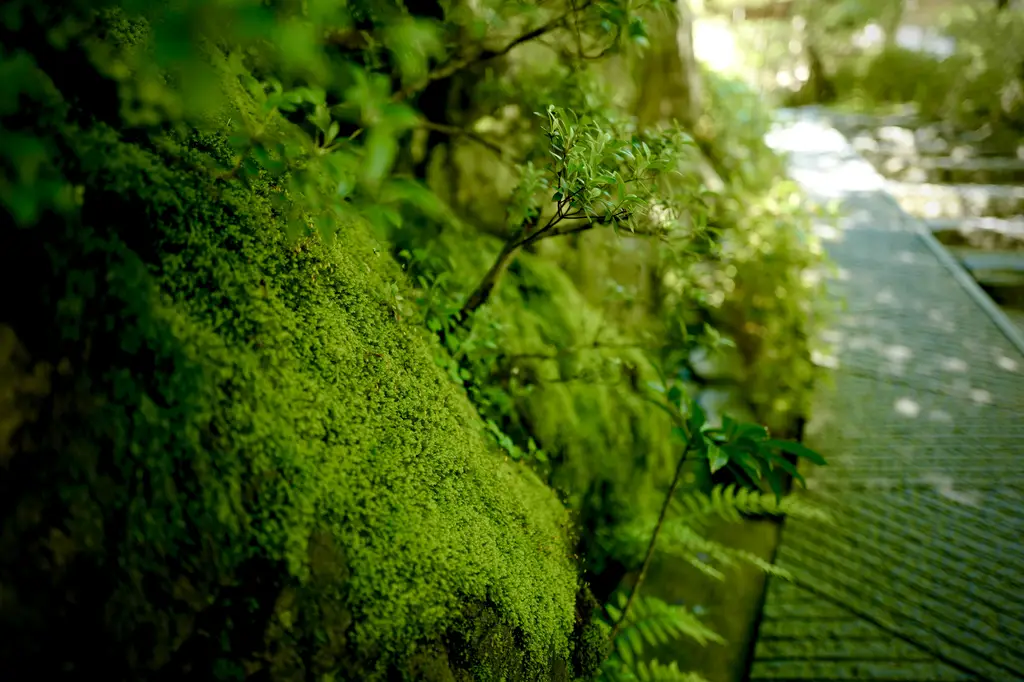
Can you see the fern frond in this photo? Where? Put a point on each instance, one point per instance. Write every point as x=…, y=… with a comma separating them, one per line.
x=651, y=622
x=654, y=621
x=655, y=671
x=731, y=502
x=647, y=671
x=679, y=539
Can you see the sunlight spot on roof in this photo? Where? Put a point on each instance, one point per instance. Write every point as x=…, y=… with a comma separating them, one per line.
x=907, y=407
x=885, y=296
x=1009, y=364
x=954, y=365
x=981, y=396
x=943, y=484
x=898, y=353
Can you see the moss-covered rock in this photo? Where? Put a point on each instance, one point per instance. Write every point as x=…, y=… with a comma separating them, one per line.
x=231, y=458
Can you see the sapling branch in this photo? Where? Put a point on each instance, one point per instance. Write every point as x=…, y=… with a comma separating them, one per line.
x=635, y=589
x=588, y=174
x=523, y=239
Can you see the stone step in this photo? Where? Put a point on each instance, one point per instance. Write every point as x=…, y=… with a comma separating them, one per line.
x=896, y=141
x=992, y=170
x=1006, y=261
x=928, y=200
x=991, y=234
x=1000, y=272
x=933, y=139
x=848, y=122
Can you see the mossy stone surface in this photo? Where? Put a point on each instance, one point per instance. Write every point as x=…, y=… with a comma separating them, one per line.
x=243, y=463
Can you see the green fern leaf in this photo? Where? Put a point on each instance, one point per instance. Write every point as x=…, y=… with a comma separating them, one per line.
x=732, y=502
x=679, y=539
x=676, y=621
x=660, y=672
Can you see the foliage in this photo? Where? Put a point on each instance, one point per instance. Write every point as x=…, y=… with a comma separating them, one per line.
x=247, y=435
x=213, y=192
x=735, y=125
x=598, y=178
x=322, y=463
x=768, y=294
x=980, y=84
x=651, y=622
x=761, y=286
x=731, y=503
x=636, y=620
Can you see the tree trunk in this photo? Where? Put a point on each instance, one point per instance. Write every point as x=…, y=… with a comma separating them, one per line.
x=670, y=83
x=891, y=21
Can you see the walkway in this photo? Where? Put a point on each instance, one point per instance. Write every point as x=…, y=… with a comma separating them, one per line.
x=923, y=425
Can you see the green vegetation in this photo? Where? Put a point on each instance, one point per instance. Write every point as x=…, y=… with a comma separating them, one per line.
x=980, y=83
x=375, y=340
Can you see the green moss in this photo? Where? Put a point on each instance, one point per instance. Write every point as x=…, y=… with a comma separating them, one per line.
x=251, y=464
x=584, y=405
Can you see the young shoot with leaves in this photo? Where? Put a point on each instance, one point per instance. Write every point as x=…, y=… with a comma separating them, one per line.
x=600, y=173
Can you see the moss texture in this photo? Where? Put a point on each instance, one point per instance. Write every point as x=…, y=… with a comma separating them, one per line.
x=234, y=460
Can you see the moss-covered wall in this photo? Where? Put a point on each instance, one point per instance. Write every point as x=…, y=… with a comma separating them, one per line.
x=227, y=456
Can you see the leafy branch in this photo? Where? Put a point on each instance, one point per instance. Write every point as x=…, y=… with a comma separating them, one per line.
x=598, y=178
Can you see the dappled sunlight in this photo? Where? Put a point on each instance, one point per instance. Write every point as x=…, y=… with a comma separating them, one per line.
x=714, y=44
x=954, y=365
x=907, y=407
x=826, y=231
x=909, y=332
x=945, y=486
x=1007, y=363
x=806, y=137
x=981, y=396
x=940, y=416
x=922, y=418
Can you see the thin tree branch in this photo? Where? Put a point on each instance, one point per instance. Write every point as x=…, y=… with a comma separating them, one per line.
x=635, y=232
x=576, y=25
x=654, y=540
x=455, y=131
x=484, y=55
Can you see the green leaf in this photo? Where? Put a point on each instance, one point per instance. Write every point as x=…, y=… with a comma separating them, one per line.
x=786, y=466
x=380, y=154
x=729, y=426
x=797, y=449
x=332, y=132
x=717, y=457
x=775, y=482
x=755, y=433
x=697, y=419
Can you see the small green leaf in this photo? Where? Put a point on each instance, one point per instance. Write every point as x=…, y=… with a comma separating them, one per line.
x=717, y=457
x=797, y=449
x=380, y=153
x=332, y=132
